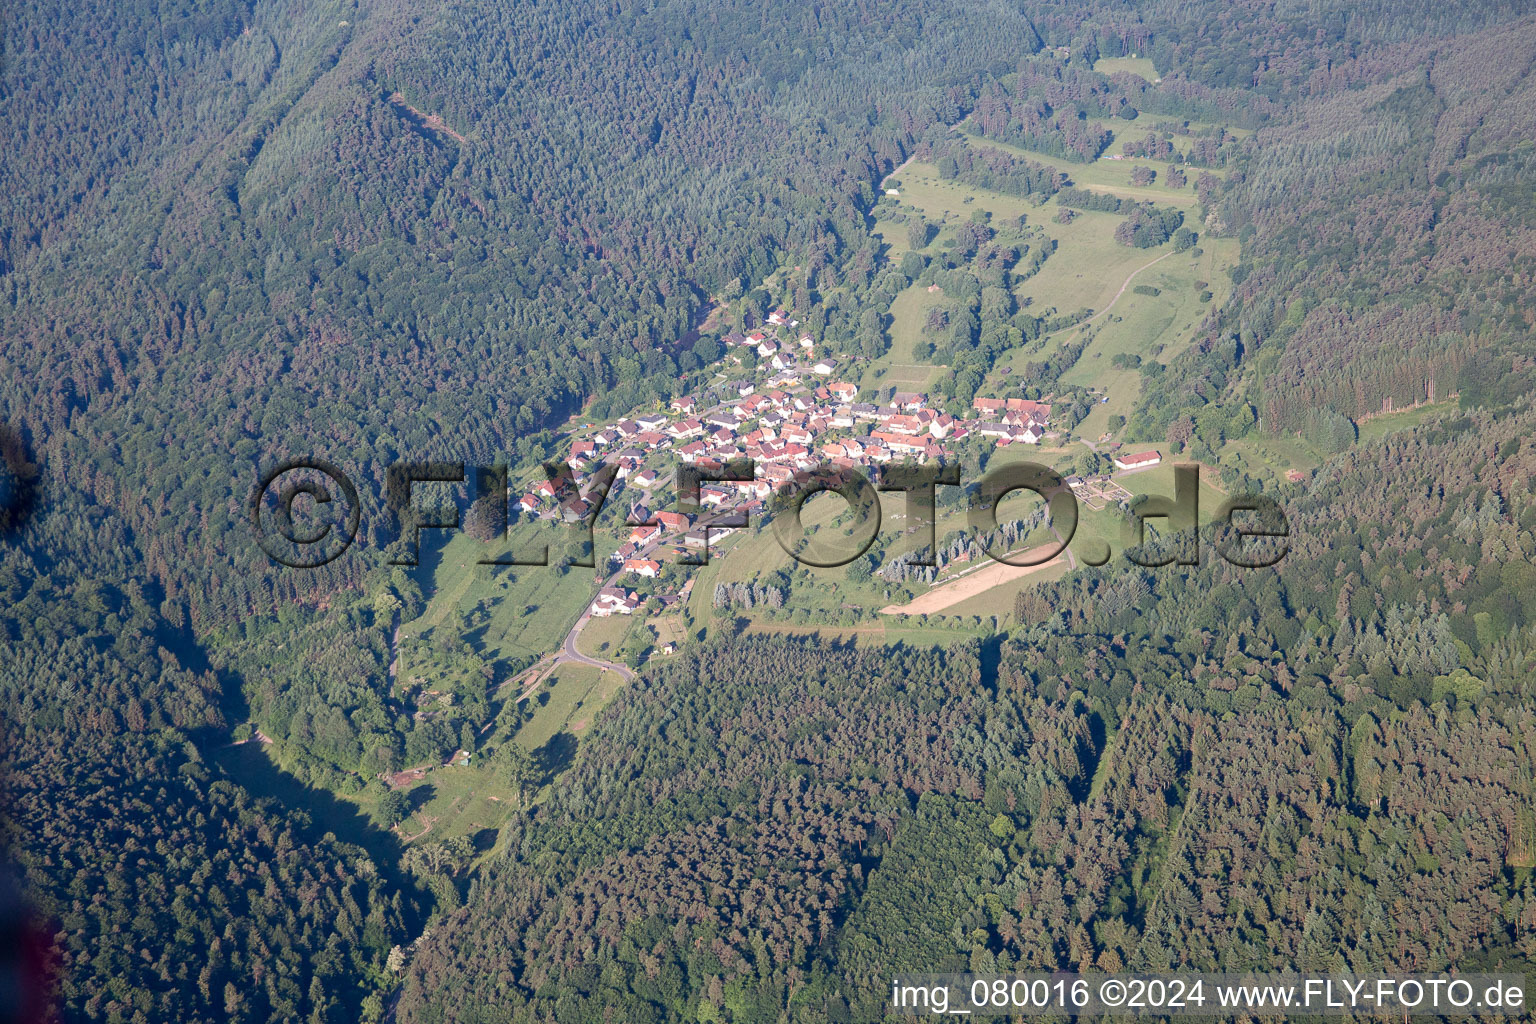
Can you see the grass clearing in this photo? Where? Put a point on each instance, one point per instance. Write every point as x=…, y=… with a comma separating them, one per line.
x=901, y=365
x=568, y=699
x=1109, y=175
x=1374, y=428
x=509, y=615
x=601, y=637
x=1131, y=65
x=1149, y=326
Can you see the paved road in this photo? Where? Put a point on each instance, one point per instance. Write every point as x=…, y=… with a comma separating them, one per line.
x=568, y=651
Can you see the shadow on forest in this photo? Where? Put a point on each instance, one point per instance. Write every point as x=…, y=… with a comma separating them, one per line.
x=555, y=756
x=249, y=765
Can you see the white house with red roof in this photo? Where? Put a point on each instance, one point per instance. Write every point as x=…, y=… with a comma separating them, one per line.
x=1140, y=460
x=615, y=601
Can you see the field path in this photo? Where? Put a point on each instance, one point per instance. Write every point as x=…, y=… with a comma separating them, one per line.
x=1123, y=286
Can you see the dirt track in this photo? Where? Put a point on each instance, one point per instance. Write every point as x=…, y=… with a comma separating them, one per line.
x=966, y=587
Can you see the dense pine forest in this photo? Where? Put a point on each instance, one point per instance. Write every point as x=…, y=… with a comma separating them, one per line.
x=235, y=232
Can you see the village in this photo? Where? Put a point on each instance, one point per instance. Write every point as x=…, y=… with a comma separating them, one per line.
x=791, y=414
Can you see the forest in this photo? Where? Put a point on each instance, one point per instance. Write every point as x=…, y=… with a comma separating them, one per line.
x=233, y=233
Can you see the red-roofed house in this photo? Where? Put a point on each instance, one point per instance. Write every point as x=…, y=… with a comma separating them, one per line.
x=1141, y=460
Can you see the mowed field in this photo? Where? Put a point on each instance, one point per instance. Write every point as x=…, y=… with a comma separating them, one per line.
x=900, y=366
x=1133, y=65
x=505, y=612
x=1150, y=326
x=1114, y=176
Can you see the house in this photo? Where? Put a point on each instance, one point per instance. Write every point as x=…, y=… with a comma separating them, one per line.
x=713, y=496
x=782, y=361
x=545, y=489
x=893, y=191
x=615, y=601
x=652, y=421
x=778, y=316
x=692, y=452
x=528, y=503
x=910, y=401
x=644, y=533
x=806, y=341
x=685, y=405
x=743, y=388
x=842, y=391
x=643, y=567
x=683, y=429
x=1027, y=409
x=902, y=443
x=766, y=348
x=1141, y=460
x=825, y=367
x=605, y=437
x=672, y=522
x=627, y=428
x=646, y=478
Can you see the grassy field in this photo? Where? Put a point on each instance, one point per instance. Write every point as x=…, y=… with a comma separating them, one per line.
x=998, y=601
x=1376, y=427
x=1112, y=176
x=1255, y=454
x=1088, y=270
x=937, y=632
x=1135, y=65
x=900, y=365
x=566, y=703
x=601, y=637
x=508, y=613
x=457, y=801
x=1150, y=326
